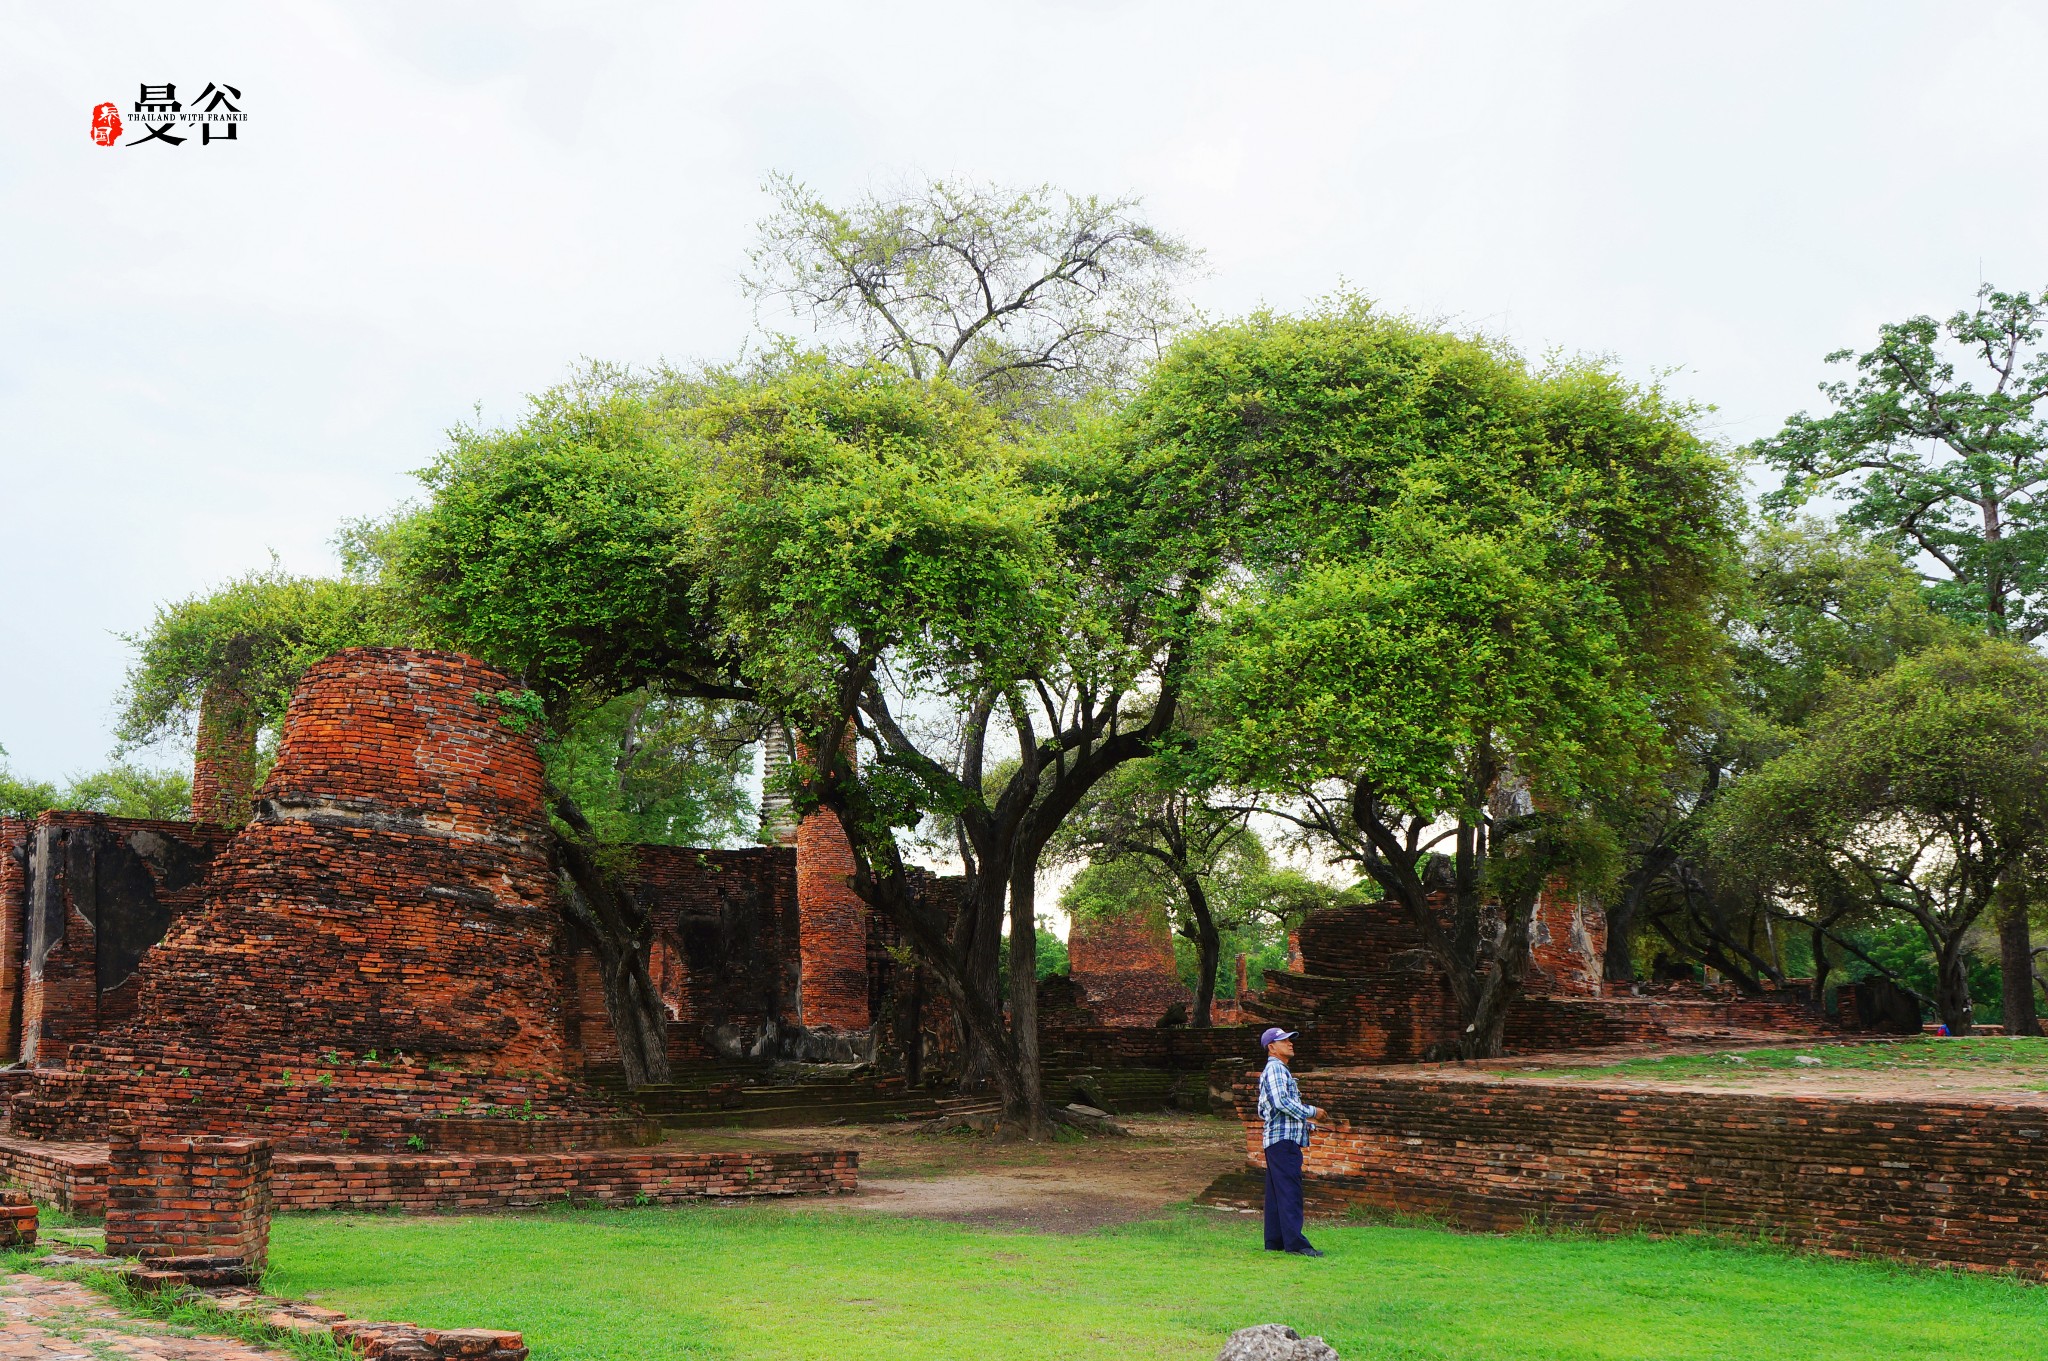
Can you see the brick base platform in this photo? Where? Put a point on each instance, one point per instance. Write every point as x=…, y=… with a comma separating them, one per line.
x=74, y=1177
x=1962, y=1184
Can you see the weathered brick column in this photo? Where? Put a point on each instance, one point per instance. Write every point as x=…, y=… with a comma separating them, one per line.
x=833, y=927
x=194, y=1205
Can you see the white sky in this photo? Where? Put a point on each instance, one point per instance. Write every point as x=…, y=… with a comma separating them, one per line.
x=211, y=353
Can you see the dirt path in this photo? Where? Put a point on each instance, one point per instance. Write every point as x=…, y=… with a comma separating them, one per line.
x=45, y=1320
x=1065, y=1187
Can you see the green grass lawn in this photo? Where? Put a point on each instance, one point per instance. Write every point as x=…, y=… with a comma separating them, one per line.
x=718, y=1281
x=1989, y=1054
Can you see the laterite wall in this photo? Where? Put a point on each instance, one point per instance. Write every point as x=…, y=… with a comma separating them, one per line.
x=1954, y=1183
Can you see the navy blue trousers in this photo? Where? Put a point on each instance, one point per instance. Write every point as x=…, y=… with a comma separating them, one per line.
x=1283, y=1197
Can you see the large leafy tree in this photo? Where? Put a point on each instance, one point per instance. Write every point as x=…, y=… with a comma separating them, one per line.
x=1468, y=599
x=1916, y=793
x=1815, y=606
x=891, y=584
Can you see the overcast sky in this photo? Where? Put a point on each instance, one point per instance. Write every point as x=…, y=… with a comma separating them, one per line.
x=212, y=353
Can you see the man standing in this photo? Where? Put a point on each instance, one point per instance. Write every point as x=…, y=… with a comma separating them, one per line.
x=1288, y=1125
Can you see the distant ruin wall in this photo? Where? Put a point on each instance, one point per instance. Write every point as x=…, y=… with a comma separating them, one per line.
x=723, y=952
x=1123, y=967
x=1945, y=1182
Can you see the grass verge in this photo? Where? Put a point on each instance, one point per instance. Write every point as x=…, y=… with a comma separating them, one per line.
x=744, y=1283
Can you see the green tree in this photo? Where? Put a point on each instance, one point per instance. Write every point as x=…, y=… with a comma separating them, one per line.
x=1951, y=467
x=1470, y=598
x=1954, y=467
x=121, y=790
x=1815, y=606
x=888, y=577
x=220, y=667
x=22, y=798
x=1915, y=794
x=1027, y=297
x=648, y=769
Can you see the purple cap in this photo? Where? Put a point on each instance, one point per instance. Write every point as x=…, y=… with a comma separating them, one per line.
x=1273, y=1034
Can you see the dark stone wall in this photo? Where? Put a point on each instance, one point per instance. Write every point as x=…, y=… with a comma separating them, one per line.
x=97, y=894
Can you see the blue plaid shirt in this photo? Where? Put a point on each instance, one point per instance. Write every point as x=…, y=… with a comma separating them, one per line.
x=1280, y=1105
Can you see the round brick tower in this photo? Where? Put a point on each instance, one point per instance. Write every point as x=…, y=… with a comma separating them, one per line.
x=379, y=951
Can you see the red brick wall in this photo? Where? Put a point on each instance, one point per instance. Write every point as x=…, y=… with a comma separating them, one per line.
x=1954, y=1183
x=189, y=1197
x=611, y=1177
x=393, y=895
x=70, y=1176
x=832, y=921
x=1123, y=966
x=15, y=834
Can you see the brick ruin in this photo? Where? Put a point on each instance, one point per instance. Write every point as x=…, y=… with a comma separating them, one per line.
x=1123, y=967
x=376, y=958
x=1362, y=989
x=371, y=977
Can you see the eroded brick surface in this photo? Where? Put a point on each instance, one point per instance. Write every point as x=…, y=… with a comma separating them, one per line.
x=1123, y=967
x=380, y=946
x=833, y=925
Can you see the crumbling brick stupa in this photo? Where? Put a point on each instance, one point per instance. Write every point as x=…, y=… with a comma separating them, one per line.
x=378, y=958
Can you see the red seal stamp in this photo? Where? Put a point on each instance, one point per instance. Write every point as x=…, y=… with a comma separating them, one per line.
x=106, y=125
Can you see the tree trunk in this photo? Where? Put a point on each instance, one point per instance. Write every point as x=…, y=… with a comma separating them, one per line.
x=602, y=909
x=1618, y=964
x=1208, y=951
x=1820, y=970
x=2016, y=965
x=1952, y=986
x=1029, y=1114
x=1486, y=1030
x=980, y=971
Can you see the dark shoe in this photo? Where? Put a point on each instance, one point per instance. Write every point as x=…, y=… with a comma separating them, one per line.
x=1304, y=1252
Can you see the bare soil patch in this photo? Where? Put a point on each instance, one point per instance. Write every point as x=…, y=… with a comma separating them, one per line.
x=1070, y=1186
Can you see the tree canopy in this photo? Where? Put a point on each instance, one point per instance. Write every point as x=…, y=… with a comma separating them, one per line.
x=1952, y=467
x=1917, y=792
